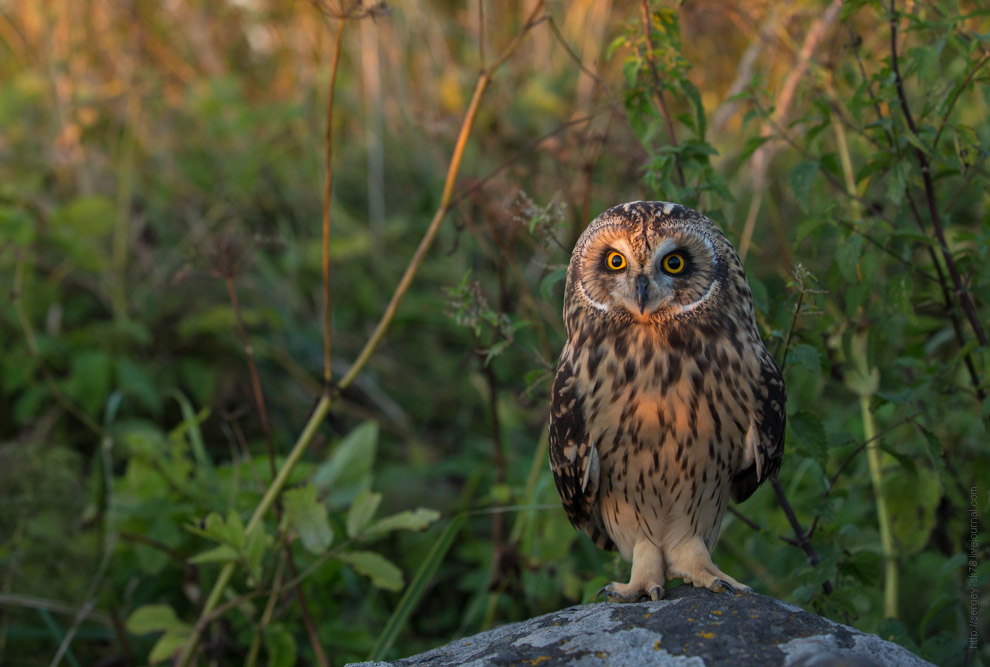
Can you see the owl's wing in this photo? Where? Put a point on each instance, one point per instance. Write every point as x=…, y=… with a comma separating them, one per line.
x=765, y=438
x=573, y=457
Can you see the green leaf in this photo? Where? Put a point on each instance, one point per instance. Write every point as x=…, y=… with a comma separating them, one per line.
x=913, y=139
x=362, y=510
x=167, y=646
x=190, y=425
x=280, y=646
x=414, y=593
x=550, y=281
x=229, y=532
x=254, y=551
x=417, y=519
x=154, y=618
x=85, y=216
x=382, y=572
x=801, y=176
x=16, y=226
x=808, y=436
x=348, y=469
x=847, y=257
x=897, y=179
x=219, y=554
x=911, y=500
x=308, y=516
x=89, y=379
x=694, y=95
x=807, y=356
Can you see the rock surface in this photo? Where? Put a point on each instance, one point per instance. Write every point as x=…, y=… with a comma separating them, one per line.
x=689, y=627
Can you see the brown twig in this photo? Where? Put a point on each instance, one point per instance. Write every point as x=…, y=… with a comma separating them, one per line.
x=950, y=263
x=484, y=79
x=940, y=275
x=658, y=98
x=803, y=539
x=259, y=398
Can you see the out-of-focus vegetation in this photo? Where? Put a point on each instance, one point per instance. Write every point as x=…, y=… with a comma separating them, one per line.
x=161, y=182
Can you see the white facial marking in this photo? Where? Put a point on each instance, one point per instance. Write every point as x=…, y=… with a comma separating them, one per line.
x=600, y=306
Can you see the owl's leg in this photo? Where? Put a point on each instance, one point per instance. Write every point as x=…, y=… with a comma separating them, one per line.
x=691, y=561
x=647, y=577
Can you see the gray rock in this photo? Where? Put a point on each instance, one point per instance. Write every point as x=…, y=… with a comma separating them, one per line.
x=690, y=627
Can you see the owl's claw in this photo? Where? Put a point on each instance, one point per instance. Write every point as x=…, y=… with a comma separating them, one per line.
x=616, y=592
x=724, y=585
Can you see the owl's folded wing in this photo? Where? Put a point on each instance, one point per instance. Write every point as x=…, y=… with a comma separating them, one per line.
x=765, y=440
x=573, y=458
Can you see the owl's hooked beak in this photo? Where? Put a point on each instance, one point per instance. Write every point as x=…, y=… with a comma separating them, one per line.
x=642, y=292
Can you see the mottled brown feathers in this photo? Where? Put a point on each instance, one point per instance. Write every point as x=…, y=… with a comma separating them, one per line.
x=666, y=401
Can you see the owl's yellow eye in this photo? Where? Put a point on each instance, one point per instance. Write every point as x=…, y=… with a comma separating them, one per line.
x=674, y=263
x=615, y=261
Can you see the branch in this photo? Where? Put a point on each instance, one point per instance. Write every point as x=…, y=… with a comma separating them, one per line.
x=445, y=203
x=803, y=539
x=658, y=99
x=950, y=262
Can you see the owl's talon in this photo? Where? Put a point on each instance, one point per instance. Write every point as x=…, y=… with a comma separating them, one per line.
x=724, y=585
x=616, y=592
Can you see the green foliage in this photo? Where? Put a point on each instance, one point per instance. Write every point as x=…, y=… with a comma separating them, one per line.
x=135, y=199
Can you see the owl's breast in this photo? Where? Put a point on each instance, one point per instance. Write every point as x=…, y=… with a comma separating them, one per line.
x=669, y=425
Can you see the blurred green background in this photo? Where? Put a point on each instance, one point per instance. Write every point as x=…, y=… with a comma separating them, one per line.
x=157, y=159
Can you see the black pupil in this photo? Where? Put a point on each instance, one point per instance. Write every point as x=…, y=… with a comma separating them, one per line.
x=674, y=262
x=616, y=261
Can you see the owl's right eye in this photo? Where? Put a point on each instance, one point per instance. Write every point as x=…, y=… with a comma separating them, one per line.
x=615, y=261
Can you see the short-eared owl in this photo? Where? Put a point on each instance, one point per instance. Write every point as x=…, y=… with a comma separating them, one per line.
x=666, y=400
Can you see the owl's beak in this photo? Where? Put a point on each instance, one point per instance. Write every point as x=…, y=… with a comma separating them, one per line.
x=642, y=292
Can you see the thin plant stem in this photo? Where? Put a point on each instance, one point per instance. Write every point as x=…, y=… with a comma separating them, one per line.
x=883, y=516
x=227, y=571
x=54, y=606
x=484, y=79
x=266, y=616
x=259, y=396
x=327, y=188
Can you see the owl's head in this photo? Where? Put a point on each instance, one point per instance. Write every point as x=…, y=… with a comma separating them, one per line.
x=649, y=262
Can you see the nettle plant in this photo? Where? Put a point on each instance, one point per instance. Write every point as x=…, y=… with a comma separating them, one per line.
x=176, y=500
x=872, y=283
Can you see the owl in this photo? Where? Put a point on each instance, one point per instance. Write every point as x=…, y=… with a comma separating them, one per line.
x=665, y=402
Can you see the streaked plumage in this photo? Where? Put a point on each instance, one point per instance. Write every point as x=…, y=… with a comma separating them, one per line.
x=666, y=401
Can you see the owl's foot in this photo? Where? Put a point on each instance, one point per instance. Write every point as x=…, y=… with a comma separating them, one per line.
x=691, y=562
x=647, y=578
x=616, y=592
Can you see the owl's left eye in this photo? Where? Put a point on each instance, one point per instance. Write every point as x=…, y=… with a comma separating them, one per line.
x=615, y=261
x=673, y=263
